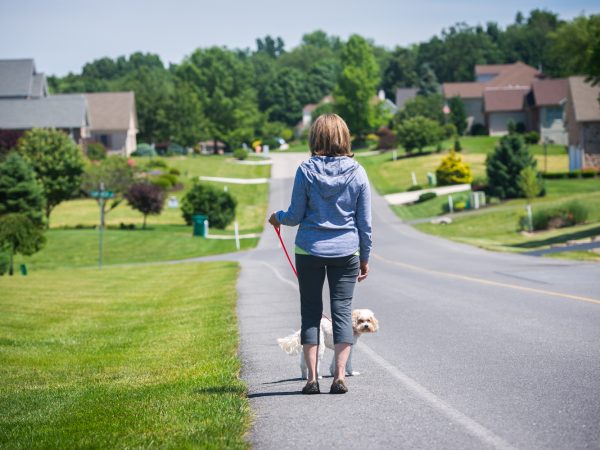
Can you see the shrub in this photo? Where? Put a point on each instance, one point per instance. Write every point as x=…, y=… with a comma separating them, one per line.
x=418, y=132
x=453, y=170
x=504, y=165
x=414, y=187
x=457, y=145
x=426, y=196
x=460, y=206
x=166, y=181
x=387, y=139
x=96, y=151
x=19, y=235
x=240, y=153
x=555, y=175
x=520, y=128
x=565, y=215
x=449, y=130
x=174, y=171
x=589, y=173
x=219, y=206
x=176, y=149
x=156, y=164
x=478, y=129
x=533, y=137
x=144, y=150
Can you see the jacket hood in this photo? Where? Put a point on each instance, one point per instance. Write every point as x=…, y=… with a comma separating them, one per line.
x=328, y=174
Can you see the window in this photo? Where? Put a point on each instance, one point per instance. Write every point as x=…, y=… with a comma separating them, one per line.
x=553, y=114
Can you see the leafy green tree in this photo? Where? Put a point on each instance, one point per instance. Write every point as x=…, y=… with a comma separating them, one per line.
x=458, y=114
x=219, y=206
x=115, y=173
x=20, y=191
x=96, y=151
x=575, y=47
x=187, y=123
x=19, y=235
x=430, y=106
x=57, y=162
x=285, y=96
x=223, y=80
x=505, y=164
x=418, y=132
x=453, y=170
x=356, y=86
x=146, y=198
x=401, y=71
x=271, y=47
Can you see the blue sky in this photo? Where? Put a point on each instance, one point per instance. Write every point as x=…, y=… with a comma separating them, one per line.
x=62, y=35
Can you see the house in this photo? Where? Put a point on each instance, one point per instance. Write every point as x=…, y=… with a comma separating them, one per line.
x=107, y=117
x=113, y=121
x=66, y=112
x=583, y=123
x=547, y=100
x=20, y=80
x=403, y=95
x=503, y=93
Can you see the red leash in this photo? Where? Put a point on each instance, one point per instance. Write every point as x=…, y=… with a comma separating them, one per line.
x=285, y=250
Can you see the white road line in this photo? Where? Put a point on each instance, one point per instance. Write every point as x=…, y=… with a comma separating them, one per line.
x=472, y=427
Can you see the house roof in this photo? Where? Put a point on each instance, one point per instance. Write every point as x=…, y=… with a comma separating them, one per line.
x=584, y=97
x=509, y=99
x=490, y=69
x=57, y=111
x=110, y=111
x=464, y=90
x=39, y=86
x=16, y=78
x=405, y=94
x=549, y=92
x=517, y=74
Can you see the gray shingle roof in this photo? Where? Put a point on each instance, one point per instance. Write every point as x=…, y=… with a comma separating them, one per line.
x=39, y=86
x=16, y=77
x=57, y=111
x=111, y=111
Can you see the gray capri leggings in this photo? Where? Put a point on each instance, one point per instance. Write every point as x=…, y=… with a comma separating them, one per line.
x=341, y=274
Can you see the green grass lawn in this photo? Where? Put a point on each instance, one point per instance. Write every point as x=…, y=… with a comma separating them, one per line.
x=496, y=228
x=121, y=358
x=390, y=176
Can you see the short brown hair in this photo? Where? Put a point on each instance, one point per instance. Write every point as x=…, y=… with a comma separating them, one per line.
x=329, y=136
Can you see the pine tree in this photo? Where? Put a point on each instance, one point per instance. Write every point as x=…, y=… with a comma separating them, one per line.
x=505, y=165
x=20, y=192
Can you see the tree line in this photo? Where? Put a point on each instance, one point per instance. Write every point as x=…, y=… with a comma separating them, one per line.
x=236, y=96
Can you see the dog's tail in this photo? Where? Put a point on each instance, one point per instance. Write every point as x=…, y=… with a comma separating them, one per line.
x=291, y=344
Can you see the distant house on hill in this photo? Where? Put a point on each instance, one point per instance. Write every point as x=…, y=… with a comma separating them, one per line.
x=583, y=123
x=108, y=117
x=502, y=93
x=403, y=95
x=113, y=120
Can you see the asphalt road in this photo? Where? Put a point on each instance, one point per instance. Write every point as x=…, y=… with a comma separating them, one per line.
x=475, y=350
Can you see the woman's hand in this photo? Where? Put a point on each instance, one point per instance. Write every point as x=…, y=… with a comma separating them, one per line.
x=364, y=271
x=273, y=221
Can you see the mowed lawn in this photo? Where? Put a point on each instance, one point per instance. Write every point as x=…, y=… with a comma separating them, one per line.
x=121, y=358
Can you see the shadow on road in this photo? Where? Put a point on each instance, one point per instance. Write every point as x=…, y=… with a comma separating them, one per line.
x=273, y=394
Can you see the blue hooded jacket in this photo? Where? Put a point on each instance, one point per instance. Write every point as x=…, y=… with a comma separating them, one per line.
x=331, y=201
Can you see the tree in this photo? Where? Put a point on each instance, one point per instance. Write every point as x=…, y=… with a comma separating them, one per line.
x=356, y=86
x=401, y=71
x=20, y=191
x=430, y=106
x=115, y=173
x=458, y=114
x=219, y=206
x=223, y=80
x=418, y=132
x=452, y=170
x=96, y=151
x=529, y=184
x=505, y=164
x=146, y=198
x=428, y=83
x=57, y=162
x=575, y=47
x=187, y=124
x=19, y=235
x=271, y=47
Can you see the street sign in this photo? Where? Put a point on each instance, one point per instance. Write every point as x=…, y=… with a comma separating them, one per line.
x=102, y=194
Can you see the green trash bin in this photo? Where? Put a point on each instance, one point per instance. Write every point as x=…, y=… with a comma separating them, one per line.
x=198, y=224
x=23, y=269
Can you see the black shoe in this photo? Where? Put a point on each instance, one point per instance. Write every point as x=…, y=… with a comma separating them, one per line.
x=312, y=387
x=338, y=387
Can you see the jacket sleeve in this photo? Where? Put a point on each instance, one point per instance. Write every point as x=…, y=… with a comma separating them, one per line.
x=295, y=213
x=363, y=220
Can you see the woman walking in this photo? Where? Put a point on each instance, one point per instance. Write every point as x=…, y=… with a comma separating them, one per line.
x=331, y=201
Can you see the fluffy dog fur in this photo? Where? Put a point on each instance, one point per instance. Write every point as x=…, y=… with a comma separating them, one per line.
x=363, y=321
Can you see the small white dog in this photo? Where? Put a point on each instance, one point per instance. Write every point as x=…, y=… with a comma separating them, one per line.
x=363, y=321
